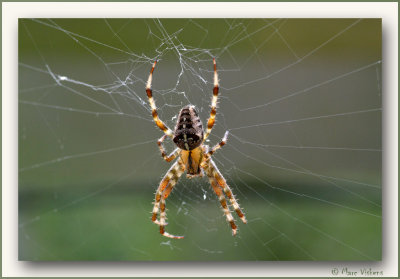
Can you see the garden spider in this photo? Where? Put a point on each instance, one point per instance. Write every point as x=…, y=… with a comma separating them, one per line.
x=194, y=157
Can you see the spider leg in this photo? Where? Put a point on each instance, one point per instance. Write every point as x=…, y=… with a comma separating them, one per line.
x=165, y=188
x=222, y=200
x=149, y=92
x=173, y=174
x=214, y=100
x=163, y=215
x=208, y=154
x=214, y=172
x=171, y=156
x=219, y=145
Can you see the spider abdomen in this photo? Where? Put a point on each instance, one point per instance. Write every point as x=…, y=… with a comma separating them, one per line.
x=188, y=132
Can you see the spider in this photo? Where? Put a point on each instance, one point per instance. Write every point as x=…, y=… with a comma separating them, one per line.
x=193, y=156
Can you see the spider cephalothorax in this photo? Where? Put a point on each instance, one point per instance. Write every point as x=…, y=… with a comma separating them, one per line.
x=194, y=157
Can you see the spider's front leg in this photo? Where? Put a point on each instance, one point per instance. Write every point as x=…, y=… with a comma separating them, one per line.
x=218, y=183
x=162, y=193
x=222, y=200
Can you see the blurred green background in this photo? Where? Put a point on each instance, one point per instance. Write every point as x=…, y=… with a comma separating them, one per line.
x=300, y=97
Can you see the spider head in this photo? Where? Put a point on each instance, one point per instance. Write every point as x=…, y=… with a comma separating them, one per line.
x=188, y=133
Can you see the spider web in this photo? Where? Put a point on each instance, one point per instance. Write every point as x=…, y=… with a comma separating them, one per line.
x=301, y=99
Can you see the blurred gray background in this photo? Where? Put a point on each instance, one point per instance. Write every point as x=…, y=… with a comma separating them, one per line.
x=300, y=97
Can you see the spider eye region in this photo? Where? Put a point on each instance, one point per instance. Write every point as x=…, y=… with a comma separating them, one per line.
x=188, y=133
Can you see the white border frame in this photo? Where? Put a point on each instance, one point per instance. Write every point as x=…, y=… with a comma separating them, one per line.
x=388, y=11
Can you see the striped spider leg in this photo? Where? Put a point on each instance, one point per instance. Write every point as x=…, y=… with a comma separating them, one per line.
x=171, y=156
x=162, y=193
x=154, y=113
x=213, y=113
x=220, y=187
x=209, y=153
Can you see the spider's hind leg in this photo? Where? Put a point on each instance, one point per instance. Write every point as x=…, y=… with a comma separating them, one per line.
x=154, y=113
x=213, y=113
